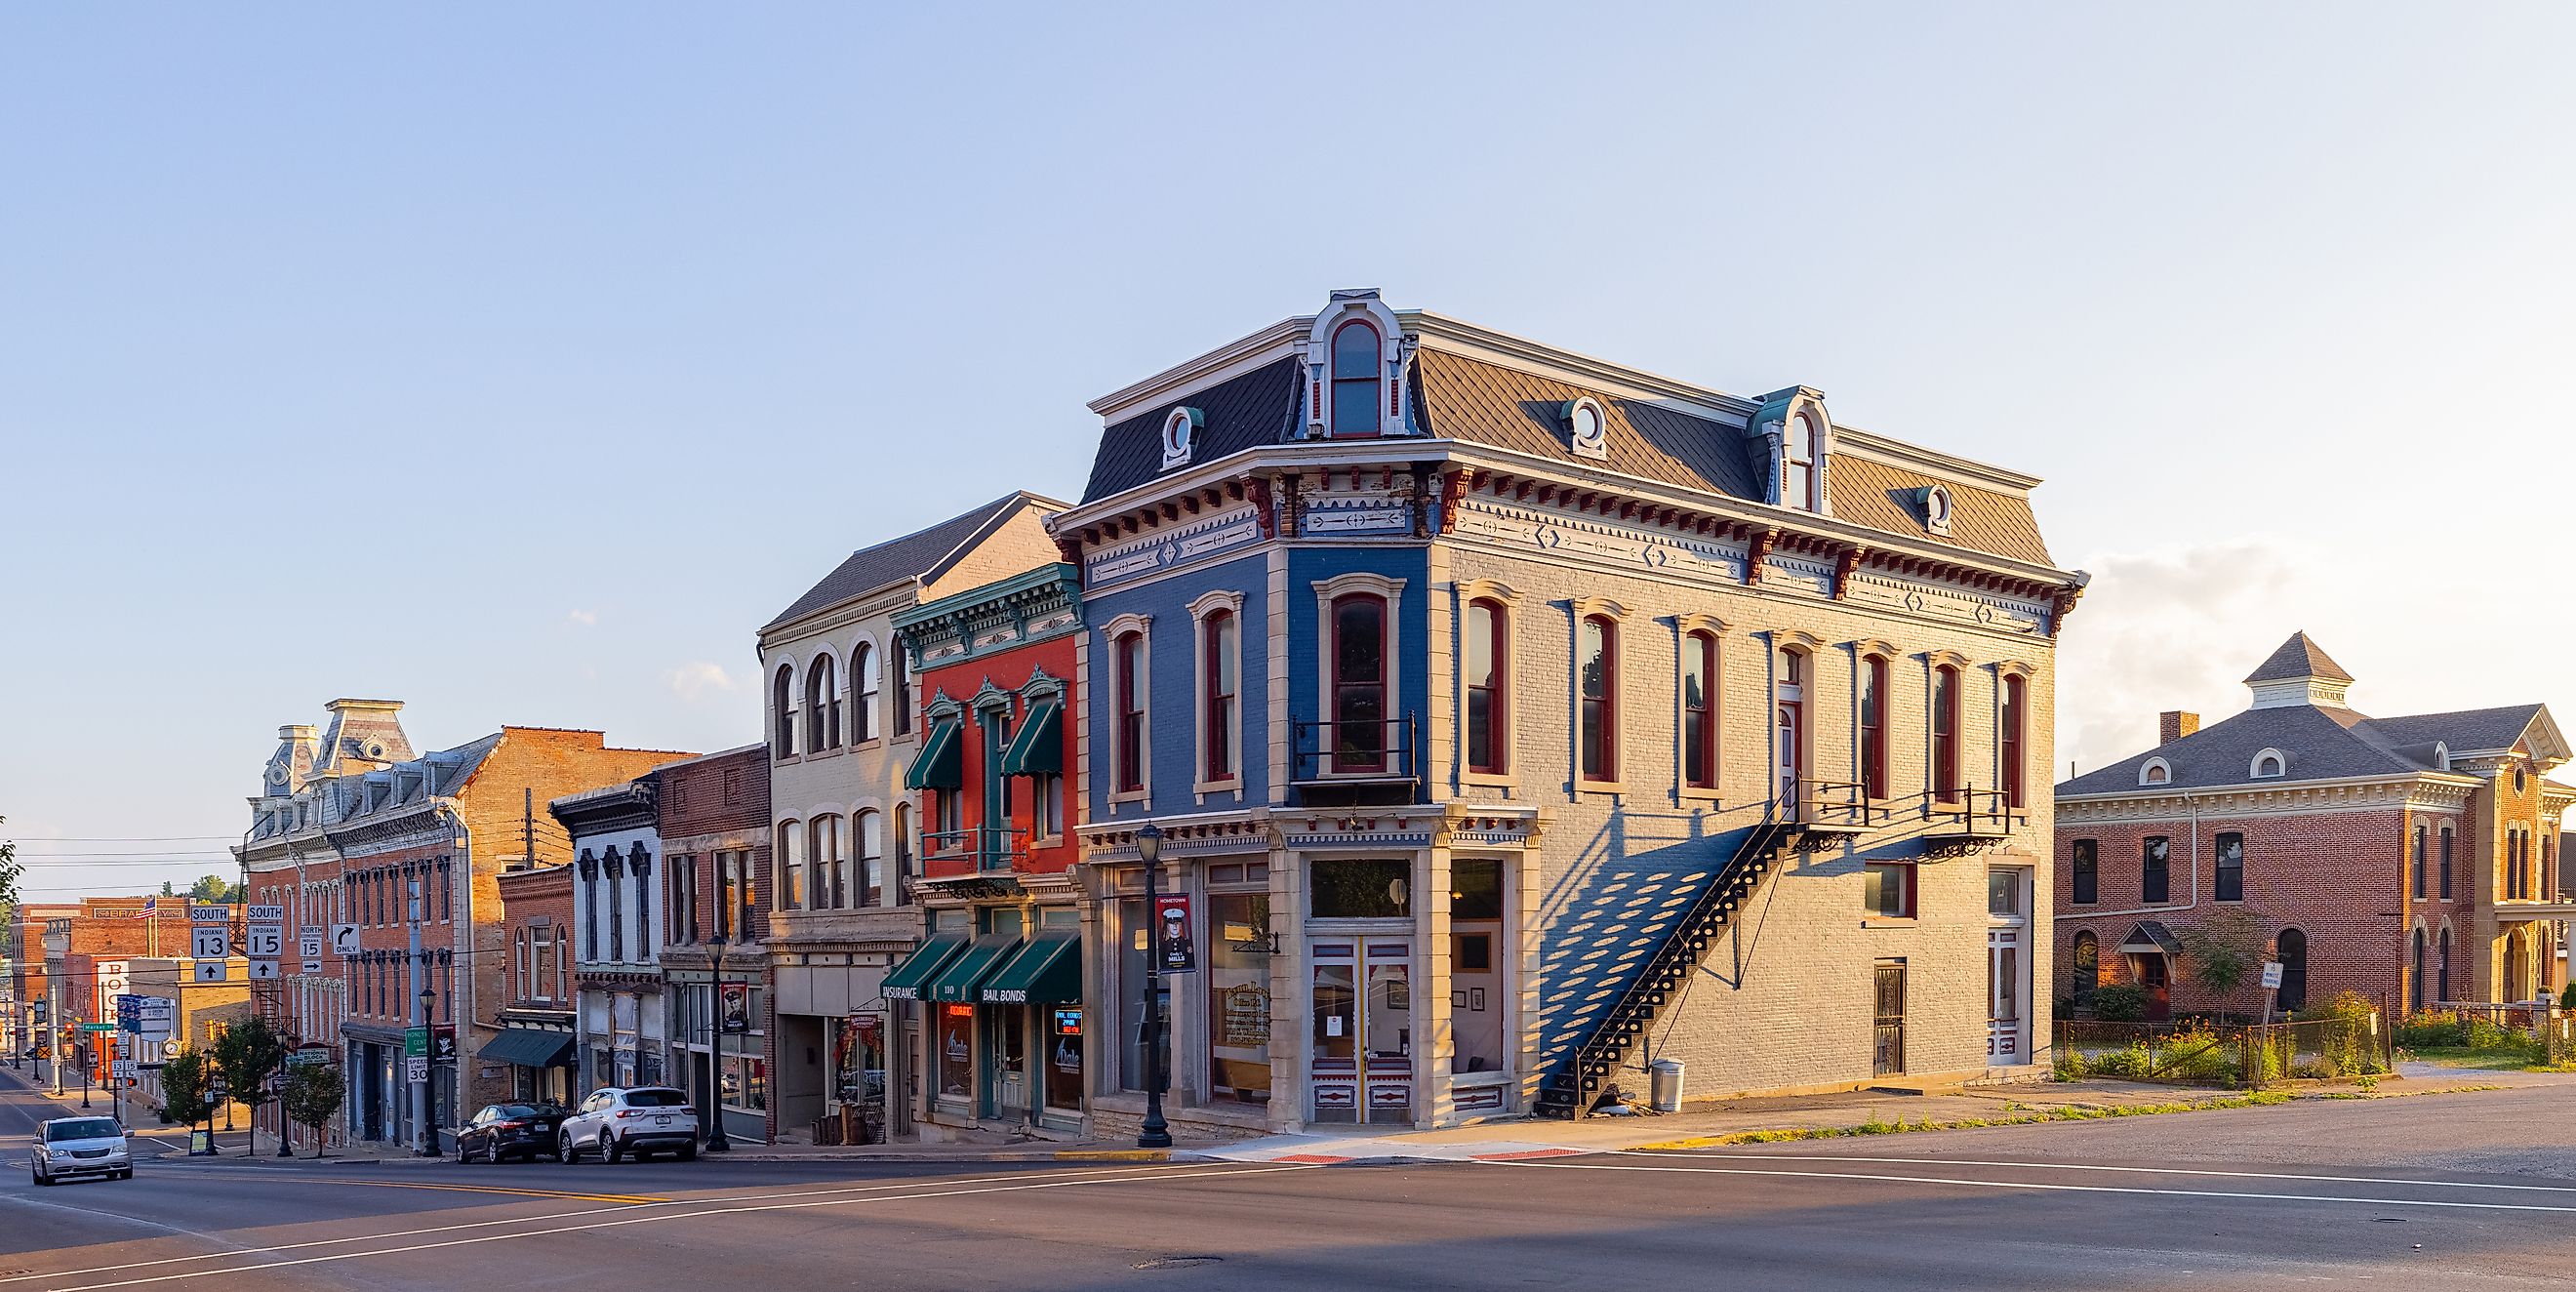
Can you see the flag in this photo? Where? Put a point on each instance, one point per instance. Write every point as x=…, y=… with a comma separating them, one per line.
x=151, y=904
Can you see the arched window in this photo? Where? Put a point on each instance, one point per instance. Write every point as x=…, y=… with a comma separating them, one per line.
x=1873, y=726
x=2088, y=968
x=1789, y=730
x=2442, y=968
x=791, y=865
x=2155, y=771
x=782, y=705
x=2011, y=738
x=1359, y=678
x=903, y=851
x=1597, y=685
x=1699, y=709
x=2446, y=863
x=2268, y=763
x=1799, y=441
x=2292, y=948
x=869, y=837
x=2419, y=861
x=863, y=683
x=902, y=690
x=1218, y=686
x=1945, y=733
x=831, y=882
x=1128, y=694
x=1355, y=379
x=2415, y=980
x=822, y=706
x=1488, y=704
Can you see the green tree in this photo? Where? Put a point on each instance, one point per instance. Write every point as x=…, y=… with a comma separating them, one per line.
x=9, y=872
x=246, y=1055
x=183, y=1089
x=312, y=1097
x=215, y=890
x=2225, y=949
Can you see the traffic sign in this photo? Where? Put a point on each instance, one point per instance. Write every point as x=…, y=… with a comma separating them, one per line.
x=308, y=942
x=98, y=1027
x=416, y=1068
x=263, y=970
x=209, y=941
x=210, y=971
x=210, y=914
x=416, y=1041
x=344, y=940
x=312, y=966
x=2271, y=975
x=264, y=914
x=170, y=1048
x=264, y=941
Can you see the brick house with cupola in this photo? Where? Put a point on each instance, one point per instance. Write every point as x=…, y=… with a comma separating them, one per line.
x=2411, y=859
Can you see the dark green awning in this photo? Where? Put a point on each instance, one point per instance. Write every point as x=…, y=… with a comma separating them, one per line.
x=529, y=1048
x=957, y=982
x=938, y=766
x=911, y=979
x=1048, y=969
x=1039, y=748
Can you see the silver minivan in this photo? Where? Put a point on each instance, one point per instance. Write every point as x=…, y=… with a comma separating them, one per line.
x=70, y=1147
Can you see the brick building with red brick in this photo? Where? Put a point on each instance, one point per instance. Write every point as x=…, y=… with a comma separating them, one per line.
x=534, y=1047
x=714, y=825
x=2411, y=859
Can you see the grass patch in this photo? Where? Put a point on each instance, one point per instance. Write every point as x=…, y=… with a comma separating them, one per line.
x=2059, y=1113
x=2504, y=1058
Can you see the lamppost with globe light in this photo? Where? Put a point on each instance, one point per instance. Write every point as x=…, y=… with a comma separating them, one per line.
x=1154, y=1132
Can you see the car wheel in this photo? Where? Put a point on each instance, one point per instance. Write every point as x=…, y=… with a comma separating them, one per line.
x=126, y=1174
x=610, y=1151
x=41, y=1178
x=565, y=1152
x=688, y=1152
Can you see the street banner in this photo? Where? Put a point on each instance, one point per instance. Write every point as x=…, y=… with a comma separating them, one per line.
x=735, y=1011
x=1174, y=950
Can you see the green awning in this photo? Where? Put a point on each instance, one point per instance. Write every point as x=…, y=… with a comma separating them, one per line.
x=911, y=979
x=942, y=754
x=1039, y=748
x=957, y=982
x=1048, y=969
x=529, y=1047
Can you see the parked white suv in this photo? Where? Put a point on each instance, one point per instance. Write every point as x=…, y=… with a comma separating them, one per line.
x=67, y=1147
x=643, y=1120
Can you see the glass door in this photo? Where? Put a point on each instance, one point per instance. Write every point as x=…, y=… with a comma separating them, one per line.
x=2007, y=966
x=1361, y=1064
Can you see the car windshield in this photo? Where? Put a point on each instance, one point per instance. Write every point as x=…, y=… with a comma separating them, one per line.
x=656, y=1099
x=84, y=1128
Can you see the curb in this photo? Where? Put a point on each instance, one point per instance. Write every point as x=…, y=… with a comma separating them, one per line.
x=926, y=1159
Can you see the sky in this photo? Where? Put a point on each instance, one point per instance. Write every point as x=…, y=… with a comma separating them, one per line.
x=518, y=361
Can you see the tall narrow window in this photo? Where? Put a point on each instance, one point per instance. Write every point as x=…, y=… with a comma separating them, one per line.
x=1359, y=679
x=902, y=690
x=1217, y=676
x=2088, y=968
x=1597, y=662
x=2415, y=979
x=1873, y=726
x=1789, y=731
x=2231, y=868
x=2419, y=860
x=831, y=866
x=782, y=705
x=2291, y=948
x=1945, y=733
x=1486, y=700
x=903, y=853
x=1699, y=709
x=2011, y=738
x=1355, y=379
x=1798, y=442
x=2155, y=873
x=869, y=840
x=2446, y=863
x=2442, y=968
x=822, y=706
x=791, y=866
x=2086, y=885
x=1129, y=695
x=863, y=693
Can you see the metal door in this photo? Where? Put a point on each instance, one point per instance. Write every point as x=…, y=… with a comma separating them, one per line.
x=1887, y=1057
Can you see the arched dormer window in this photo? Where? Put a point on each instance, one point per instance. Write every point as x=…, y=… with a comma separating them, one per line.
x=2269, y=763
x=782, y=704
x=1801, y=443
x=822, y=706
x=2155, y=771
x=1356, y=379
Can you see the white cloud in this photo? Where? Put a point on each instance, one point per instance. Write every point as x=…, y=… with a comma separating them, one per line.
x=583, y=618
x=697, y=678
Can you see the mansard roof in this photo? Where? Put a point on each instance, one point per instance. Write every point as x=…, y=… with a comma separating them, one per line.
x=1245, y=412
x=909, y=557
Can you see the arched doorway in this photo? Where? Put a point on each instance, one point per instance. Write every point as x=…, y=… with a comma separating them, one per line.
x=2415, y=978
x=2519, y=979
x=2088, y=968
x=2292, y=947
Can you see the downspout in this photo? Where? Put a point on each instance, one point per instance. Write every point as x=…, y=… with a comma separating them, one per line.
x=464, y=837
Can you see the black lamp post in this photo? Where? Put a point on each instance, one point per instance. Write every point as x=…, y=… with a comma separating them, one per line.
x=716, y=1140
x=86, y=1059
x=285, y=1148
x=1154, y=1133
x=428, y=1105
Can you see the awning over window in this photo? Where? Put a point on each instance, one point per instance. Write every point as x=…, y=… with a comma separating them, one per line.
x=911, y=979
x=2149, y=938
x=529, y=1048
x=1047, y=969
x=957, y=982
x=937, y=767
x=1039, y=748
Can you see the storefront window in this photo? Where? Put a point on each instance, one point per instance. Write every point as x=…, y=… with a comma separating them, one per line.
x=1239, y=997
x=1064, y=1059
x=746, y=1083
x=1362, y=890
x=1133, y=948
x=956, y=1041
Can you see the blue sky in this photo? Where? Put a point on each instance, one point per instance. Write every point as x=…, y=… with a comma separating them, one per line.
x=518, y=361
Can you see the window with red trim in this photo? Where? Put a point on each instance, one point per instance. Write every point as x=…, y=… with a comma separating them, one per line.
x=1487, y=702
x=1699, y=709
x=1129, y=695
x=1873, y=726
x=1597, y=665
x=2014, y=695
x=1945, y=733
x=1217, y=674
x=1356, y=379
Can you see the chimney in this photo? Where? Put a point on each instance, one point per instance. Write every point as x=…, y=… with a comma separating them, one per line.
x=2174, y=724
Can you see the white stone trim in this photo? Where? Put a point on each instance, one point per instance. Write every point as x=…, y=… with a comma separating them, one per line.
x=1110, y=633
x=1209, y=604
x=2148, y=772
x=1390, y=633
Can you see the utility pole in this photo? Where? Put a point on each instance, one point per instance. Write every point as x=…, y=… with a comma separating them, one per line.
x=420, y=1023
x=54, y=1030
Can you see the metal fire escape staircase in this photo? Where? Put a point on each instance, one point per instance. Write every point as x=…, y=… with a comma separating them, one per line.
x=1579, y=1081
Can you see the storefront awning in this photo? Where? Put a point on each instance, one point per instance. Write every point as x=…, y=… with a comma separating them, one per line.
x=1046, y=970
x=957, y=982
x=937, y=766
x=529, y=1048
x=1039, y=748
x=911, y=979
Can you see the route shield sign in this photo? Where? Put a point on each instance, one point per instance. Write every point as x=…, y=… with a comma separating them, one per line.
x=209, y=941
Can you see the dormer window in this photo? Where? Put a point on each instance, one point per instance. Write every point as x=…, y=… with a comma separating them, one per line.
x=2269, y=763
x=1798, y=446
x=2156, y=771
x=1936, y=509
x=1178, y=430
x=1587, y=428
x=1356, y=346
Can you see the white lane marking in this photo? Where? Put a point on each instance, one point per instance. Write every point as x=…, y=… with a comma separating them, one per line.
x=2044, y=1188
x=2087, y=1166
x=235, y=1250
x=630, y=1218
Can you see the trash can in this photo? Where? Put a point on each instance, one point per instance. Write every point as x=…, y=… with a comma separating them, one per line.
x=1664, y=1083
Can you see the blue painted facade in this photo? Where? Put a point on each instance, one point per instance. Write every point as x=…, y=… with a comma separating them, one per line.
x=1171, y=638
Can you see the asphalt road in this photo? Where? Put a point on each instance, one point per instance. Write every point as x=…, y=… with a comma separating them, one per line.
x=2471, y=1190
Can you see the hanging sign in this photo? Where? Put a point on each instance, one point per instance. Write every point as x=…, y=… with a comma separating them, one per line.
x=1174, y=950
x=734, y=1010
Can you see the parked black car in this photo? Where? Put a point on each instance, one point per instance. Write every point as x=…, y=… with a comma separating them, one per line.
x=504, y=1131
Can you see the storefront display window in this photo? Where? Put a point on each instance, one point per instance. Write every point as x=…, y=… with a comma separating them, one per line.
x=745, y=1084
x=1238, y=960
x=1064, y=1059
x=1134, y=944
x=955, y=1040
x=1362, y=890
x=858, y=1068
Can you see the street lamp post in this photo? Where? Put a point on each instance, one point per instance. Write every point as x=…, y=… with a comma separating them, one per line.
x=422, y=1106
x=85, y=1061
x=1154, y=1133
x=716, y=1140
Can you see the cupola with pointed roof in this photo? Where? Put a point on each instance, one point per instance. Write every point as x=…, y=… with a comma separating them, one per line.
x=2300, y=672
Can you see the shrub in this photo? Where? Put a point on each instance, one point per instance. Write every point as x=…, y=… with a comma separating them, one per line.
x=2120, y=1002
x=2069, y=1066
x=2131, y=1062
x=2567, y=998
x=2435, y=1029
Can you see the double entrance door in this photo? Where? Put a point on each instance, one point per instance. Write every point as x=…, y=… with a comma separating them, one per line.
x=1361, y=1043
